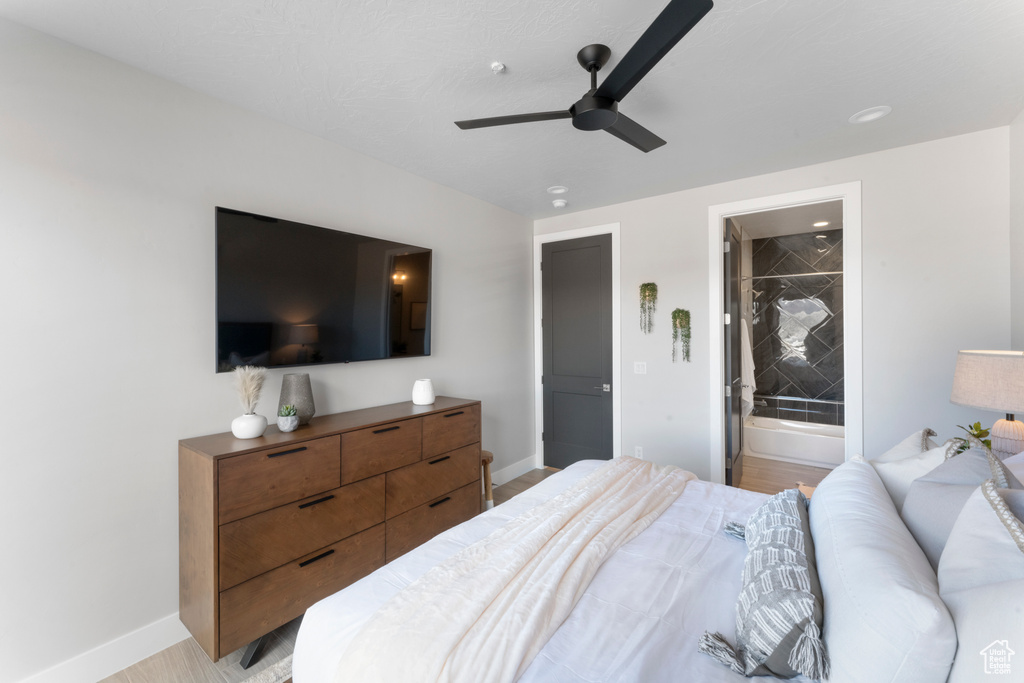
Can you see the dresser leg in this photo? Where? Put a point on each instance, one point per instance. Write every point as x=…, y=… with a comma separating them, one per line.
x=251, y=653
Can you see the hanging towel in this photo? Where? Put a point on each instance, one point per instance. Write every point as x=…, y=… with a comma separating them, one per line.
x=746, y=371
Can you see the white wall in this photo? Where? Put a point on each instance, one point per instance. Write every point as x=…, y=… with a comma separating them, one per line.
x=1017, y=229
x=108, y=181
x=936, y=272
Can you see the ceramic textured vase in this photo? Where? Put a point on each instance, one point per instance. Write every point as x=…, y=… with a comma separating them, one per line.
x=288, y=423
x=423, y=392
x=297, y=391
x=248, y=426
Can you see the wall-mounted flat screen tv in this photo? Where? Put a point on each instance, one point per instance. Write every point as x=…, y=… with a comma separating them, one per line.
x=290, y=294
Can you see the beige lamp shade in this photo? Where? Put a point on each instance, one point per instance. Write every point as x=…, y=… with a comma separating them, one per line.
x=989, y=380
x=993, y=380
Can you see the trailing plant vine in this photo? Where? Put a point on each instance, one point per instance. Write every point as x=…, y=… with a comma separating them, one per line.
x=648, y=303
x=681, y=333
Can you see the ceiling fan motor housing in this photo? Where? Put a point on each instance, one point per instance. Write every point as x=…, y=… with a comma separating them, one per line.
x=593, y=57
x=594, y=113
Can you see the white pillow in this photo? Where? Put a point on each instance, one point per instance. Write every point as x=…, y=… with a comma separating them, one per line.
x=936, y=499
x=884, y=620
x=915, y=444
x=981, y=579
x=911, y=458
x=1015, y=463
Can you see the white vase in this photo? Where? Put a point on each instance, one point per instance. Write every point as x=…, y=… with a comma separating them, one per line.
x=287, y=423
x=248, y=426
x=423, y=392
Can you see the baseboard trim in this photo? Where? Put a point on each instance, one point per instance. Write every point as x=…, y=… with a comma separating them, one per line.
x=507, y=474
x=120, y=653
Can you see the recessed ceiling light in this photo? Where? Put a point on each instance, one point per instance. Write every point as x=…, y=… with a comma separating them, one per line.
x=871, y=114
x=559, y=203
x=821, y=224
x=497, y=67
x=558, y=189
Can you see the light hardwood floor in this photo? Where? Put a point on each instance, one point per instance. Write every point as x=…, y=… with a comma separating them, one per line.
x=517, y=486
x=771, y=476
x=187, y=663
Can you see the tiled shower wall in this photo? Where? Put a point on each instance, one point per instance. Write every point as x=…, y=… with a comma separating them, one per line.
x=798, y=327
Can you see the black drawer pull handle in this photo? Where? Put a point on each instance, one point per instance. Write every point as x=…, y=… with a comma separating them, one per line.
x=314, y=559
x=315, y=502
x=434, y=462
x=443, y=500
x=386, y=429
x=461, y=412
x=294, y=450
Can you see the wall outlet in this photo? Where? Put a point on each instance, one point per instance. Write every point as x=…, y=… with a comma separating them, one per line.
x=638, y=452
x=639, y=368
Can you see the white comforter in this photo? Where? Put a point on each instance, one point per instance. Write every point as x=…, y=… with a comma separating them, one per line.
x=639, y=620
x=484, y=613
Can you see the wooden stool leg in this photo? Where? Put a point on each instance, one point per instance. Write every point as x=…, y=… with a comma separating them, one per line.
x=488, y=493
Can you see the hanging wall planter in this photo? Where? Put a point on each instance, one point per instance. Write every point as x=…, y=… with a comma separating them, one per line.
x=681, y=334
x=648, y=302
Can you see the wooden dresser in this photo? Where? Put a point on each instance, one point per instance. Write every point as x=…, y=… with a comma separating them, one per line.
x=269, y=526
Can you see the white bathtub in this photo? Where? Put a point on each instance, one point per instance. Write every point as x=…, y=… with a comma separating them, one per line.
x=790, y=441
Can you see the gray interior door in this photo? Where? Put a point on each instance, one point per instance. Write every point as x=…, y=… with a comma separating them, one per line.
x=576, y=316
x=733, y=416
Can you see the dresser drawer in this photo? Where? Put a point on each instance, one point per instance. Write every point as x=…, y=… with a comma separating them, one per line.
x=427, y=480
x=367, y=452
x=260, y=605
x=419, y=525
x=259, y=481
x=443, y=432
x=261, y=542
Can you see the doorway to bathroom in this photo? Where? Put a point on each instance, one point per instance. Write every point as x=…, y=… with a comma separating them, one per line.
x=789, y=335
x=787, y=295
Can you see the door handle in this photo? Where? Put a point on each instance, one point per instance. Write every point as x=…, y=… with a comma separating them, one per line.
x=604, y=387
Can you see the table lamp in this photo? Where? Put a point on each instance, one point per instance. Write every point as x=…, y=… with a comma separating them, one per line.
x=993, y=380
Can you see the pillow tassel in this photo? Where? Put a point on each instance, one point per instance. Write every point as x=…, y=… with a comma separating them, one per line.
x=736, y=530
x=808, y=655
x=715, y=645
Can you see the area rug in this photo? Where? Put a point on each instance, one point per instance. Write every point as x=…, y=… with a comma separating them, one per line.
x=275, y=673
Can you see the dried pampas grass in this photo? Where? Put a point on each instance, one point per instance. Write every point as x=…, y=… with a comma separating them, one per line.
x=249, y=381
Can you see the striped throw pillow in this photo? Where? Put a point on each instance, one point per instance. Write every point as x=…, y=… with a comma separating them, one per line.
x=780, y=608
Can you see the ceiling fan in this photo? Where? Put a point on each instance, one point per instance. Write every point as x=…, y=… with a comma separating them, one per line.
x=598, y=109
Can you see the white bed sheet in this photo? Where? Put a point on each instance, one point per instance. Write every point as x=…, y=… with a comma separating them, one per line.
x=639, y=620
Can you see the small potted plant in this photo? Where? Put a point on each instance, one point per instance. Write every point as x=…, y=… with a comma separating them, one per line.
x=287, y=418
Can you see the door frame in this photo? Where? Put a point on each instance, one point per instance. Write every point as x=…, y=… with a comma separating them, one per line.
x=538, y=334
x=853, y=313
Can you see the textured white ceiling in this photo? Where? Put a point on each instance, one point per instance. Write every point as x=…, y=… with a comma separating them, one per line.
x=757, y=86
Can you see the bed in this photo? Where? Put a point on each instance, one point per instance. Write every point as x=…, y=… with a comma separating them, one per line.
x=647, y=606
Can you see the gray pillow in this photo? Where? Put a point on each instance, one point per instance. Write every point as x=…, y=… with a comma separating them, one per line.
x=780, y=608
x=935, y=500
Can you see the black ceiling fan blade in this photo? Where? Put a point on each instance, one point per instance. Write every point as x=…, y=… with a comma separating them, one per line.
x=674, y=22
x=628, y=130
x=515, y=118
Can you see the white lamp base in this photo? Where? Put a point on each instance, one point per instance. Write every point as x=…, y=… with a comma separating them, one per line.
x=1007, y=438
